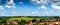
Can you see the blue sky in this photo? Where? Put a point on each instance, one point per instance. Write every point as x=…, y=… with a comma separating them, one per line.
x=28, y=8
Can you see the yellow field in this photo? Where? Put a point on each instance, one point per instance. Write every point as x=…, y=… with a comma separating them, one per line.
x=24, y=18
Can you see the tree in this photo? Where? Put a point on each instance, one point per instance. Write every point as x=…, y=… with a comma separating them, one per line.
x=34, y=20
x=56, y=17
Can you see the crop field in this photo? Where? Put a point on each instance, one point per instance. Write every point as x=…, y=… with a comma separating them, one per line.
x=24, y=18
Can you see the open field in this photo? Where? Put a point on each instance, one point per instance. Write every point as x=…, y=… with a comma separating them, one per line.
x=26, y=17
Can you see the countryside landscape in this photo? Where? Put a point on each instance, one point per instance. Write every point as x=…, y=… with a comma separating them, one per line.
x=29, y=12
x=29, y=20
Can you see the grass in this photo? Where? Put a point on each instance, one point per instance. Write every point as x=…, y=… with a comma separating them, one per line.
x=24, y=18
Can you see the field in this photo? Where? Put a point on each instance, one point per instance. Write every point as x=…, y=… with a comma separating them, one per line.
x=26, y=17
x=22, y=20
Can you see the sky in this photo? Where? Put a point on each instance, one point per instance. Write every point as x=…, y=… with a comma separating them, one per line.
x=29, y=8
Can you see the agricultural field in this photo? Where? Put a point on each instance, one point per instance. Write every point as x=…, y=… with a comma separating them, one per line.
x=22, y=20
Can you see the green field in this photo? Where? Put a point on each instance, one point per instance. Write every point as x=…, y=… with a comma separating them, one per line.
x=24, y=18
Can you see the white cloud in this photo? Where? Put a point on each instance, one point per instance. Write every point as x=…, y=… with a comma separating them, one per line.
x=1, y=8
x=39, y=1
x=33, y=12
x=47, y=13
x=43, y=7
x=20, y=2
x=44, y=1
x=54, y=1
x=13, y=12
x=55, y=6
x=27, y=13
x=2, y=13
x=35, y=1
x=52, y=12
x=13, y=15
x=36, y=12
x=10, y=4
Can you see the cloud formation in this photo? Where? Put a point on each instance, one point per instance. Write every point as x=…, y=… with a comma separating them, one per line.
x=20, y=2
x=39, y=1
x=54, y=1
x=36, y=12
x=43, y=7
x=2, y=14
x=55, y=6
x=35, y=1
x=44, y=1
x=10, y=4
x=46, y=13
x=13, y=12
x=1, y=8
x=52, y=12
